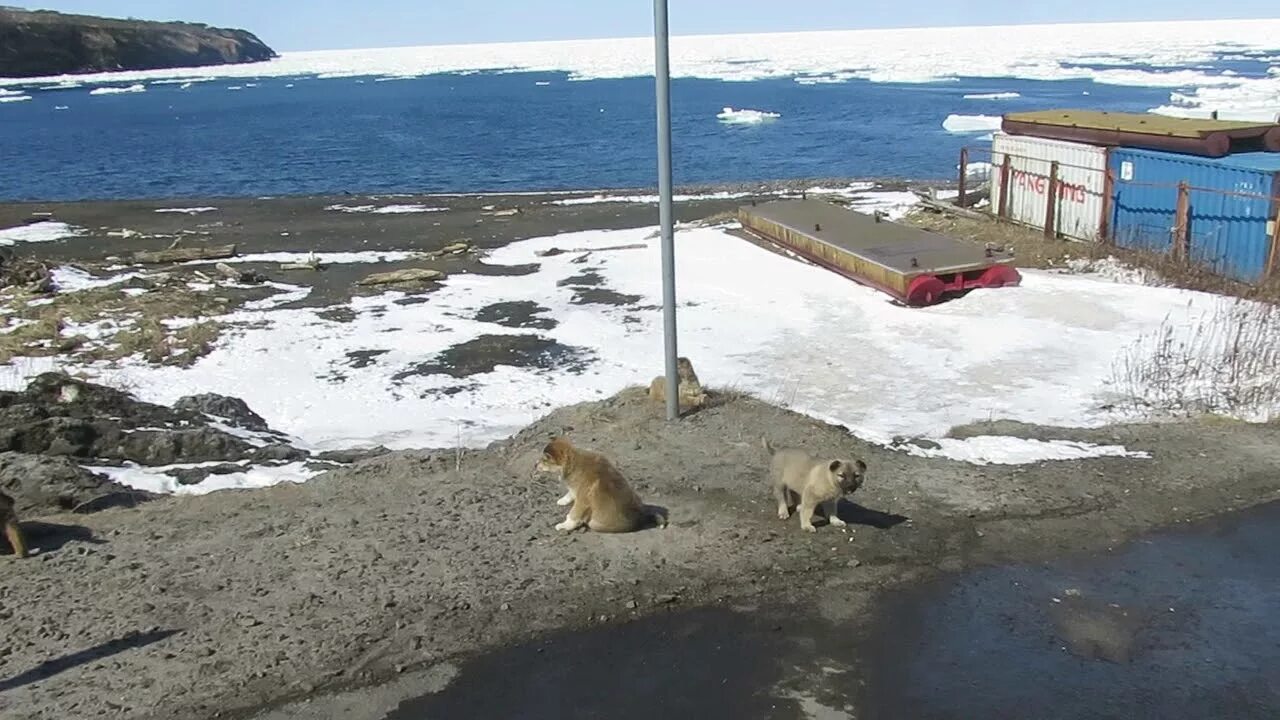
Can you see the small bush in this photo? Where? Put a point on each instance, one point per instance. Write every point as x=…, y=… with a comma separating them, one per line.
x=1226, y=362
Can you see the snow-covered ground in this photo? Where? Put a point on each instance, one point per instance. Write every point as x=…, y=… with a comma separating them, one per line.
x=750, y=319
x=386, y=209
x=1107, y=53
x=38, y=232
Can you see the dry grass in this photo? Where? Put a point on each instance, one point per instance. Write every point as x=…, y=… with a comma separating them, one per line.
x=1033, y=250
x=1226, y=363
x=142, y=331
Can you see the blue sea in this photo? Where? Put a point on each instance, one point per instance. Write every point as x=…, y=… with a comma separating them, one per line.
x=493, y=131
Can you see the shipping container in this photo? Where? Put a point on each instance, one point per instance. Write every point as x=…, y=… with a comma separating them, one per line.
x=1191, y=136
x=1079, y=193
x=1231, y=207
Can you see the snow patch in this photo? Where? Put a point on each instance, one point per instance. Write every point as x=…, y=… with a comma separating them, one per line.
x=1003, y=450
x=386, y=209
x=43, y=231
x=648, y=199
x=154, y=479
x=73, y=279
x=1113, y=270
x=188, y=211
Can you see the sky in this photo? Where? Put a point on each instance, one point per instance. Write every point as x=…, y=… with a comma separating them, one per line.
x=329, y=24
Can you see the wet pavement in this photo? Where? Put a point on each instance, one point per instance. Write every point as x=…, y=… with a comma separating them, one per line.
x=1180, y=624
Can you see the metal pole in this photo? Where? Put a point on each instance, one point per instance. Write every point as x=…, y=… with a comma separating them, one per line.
x=662, y=77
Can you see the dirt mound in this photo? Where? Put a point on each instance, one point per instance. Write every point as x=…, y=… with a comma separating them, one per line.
x=410, y=559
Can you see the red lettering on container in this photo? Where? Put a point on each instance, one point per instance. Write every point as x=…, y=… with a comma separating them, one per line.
x=1039, y=184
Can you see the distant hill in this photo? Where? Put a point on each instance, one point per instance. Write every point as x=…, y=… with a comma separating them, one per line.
x=36, y=43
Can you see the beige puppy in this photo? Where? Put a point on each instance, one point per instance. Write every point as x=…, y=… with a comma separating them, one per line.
x=600, y=497
x=817, y=483
x=11, y=528
x=690, y=390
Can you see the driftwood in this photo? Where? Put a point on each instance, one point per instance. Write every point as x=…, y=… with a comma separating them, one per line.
x=952, y=209
x=247, y=277
x=552, y=252
x=410, y=275
x=157, y=257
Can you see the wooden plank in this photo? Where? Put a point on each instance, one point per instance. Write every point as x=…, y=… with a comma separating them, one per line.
x=1180, y=247
x=1051, y=204
x=1273, y=259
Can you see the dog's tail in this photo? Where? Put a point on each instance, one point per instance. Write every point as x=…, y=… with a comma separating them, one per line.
x=767, y=447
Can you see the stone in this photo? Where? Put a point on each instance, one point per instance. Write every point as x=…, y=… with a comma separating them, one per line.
x=233, y=410
x=408, y=275
x=40, y=485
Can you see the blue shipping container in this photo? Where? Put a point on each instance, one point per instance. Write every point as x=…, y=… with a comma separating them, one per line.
x=1233, y=206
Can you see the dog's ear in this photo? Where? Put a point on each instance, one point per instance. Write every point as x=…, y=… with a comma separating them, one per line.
x=557, y=451
x=862, y=467
x=835, y=466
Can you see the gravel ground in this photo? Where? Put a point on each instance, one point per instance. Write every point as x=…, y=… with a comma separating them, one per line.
x=398, y=566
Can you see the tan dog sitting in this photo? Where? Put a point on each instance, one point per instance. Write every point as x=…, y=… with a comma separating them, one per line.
x=817, y=483
x=12, y=531
x=689, y=390
x=600, y=497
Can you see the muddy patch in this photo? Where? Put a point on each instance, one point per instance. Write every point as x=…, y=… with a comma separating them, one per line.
x=357, y=359
x=338, y=314
x=516, y=314
x=588, y=289
x=483, y=354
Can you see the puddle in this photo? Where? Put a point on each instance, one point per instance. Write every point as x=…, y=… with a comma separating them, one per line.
x=699, y=664
x=1180, y=624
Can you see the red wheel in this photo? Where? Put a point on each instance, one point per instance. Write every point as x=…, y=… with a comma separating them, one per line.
x=925, y=290
x=1000, y=276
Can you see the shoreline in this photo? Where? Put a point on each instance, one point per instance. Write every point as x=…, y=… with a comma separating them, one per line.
x=746, y=187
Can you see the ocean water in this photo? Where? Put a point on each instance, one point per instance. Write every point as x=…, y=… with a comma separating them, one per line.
x=396, y=121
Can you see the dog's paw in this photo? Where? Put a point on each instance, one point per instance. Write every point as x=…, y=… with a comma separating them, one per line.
x=783, y=514
x=565, y=500
x=837, y=522
x=566, y=526
x=809, y=528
